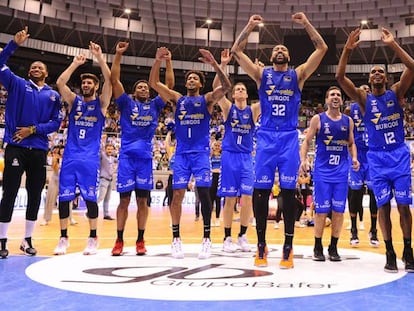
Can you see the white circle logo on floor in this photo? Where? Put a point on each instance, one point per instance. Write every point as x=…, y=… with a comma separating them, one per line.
x=221, y=277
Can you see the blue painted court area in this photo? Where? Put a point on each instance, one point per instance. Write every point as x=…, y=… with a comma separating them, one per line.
x=18, y=292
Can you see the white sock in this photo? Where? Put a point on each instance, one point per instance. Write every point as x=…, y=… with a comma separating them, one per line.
x=29, y=228
x=4, y=227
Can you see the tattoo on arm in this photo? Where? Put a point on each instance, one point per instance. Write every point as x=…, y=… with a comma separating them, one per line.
x=222, y=78
x=243, y=36
x=317, y=42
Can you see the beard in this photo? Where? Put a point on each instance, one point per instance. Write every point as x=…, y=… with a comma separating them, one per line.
x=88, y=94
x=37, y=79
x=283, y=61
x=378, y=85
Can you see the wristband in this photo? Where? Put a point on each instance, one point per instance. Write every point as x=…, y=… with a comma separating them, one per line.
x=32, y=129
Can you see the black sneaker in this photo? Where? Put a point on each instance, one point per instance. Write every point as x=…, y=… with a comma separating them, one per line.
x=333, y=254
x=3, y=250
x=27, y=248
x=408, y=259
x=318, y=254
x=391, y=265
x=4, y=253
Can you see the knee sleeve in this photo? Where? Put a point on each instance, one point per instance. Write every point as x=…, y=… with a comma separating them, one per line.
x=289, y=209
x=355, y=202
x=63, y=209
x=373, y=208
x=92, y=209
x=261, y=206
x=205, y=200
x=139, y=193
x=125, y=194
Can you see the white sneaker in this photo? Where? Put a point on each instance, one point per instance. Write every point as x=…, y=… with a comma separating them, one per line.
x=243, y=244
x=217, y=223
x=176, y=249
x=205, y=249
x=373, y=239
x=229, y=246
x=276, y=226
x=298, y=224
x=91, y=246
x=73, y=222
x=361, y=226
x=62, y=246
x=44, y=223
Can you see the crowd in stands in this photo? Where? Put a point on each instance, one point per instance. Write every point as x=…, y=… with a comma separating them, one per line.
x=112, y=128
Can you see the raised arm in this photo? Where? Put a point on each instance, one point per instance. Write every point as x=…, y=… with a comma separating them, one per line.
x=254, y=71
x=19, y=38
x=106, y=94
x=356, y=94
x=169, y=72
x=67, y=95
x=223, y=102
x=166, y=93
x=308, y=68
x=117, y=86
x=406, y=79
x=225, y=84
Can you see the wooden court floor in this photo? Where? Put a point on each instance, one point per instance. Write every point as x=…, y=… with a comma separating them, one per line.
x=158, y=232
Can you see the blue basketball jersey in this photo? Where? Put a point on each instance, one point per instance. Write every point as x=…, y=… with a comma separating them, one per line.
x=215, y=161
x=360, y=133
x=192, y=122
x=139, y=121
x=85, y=127
x=384, y=121
x=238, y=130
x=280, y=97
x=331, y=149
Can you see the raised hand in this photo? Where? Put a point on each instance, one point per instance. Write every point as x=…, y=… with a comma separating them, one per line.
x=79, y=59
x=21, y=36
x=169, y=55
x=353, y=39
x=207, y=57
x=162, y=53
x=121, y=47
x=255, y=20
x=225, y=57
x=386, y=36
x=300, y=18
x=95, y=49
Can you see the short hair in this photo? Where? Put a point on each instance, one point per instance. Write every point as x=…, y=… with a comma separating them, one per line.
x=234, y=87
x=199, y=74
x=138, y=82
x=38, y=61
x=91, y=76
x=332, y=88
